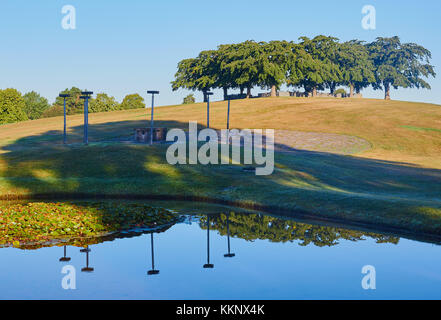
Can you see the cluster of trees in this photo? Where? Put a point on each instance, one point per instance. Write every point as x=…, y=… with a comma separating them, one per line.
x=313, y=64
x=16, y=107
x=101, y=103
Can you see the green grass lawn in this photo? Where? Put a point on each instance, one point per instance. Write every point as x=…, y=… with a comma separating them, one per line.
x=397, y=183
x=333, y=186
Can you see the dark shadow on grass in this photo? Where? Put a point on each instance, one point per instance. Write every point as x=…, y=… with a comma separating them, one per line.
x=113, y=167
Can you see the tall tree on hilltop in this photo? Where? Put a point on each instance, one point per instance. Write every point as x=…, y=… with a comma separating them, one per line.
x=400, y=65
x=356, y=66
x=242, y=65
x=208, y=71
x=274, y=60
x=327, y=50
x=226, y=79
x=197, y=73
x=316, y=63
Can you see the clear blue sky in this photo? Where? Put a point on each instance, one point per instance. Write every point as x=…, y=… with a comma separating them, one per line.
x=122, y=47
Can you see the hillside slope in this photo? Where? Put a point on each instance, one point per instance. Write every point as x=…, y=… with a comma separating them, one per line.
x=396, y=183
x=397, y=131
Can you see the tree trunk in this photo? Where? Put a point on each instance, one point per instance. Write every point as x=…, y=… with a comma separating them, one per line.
x=386, y=91
x=248, y=92
x=241, y=90
x=332, y=88
x=225, y=93
x=351, y=92
x=357, y=90
x=314, y=92
x=273, y=91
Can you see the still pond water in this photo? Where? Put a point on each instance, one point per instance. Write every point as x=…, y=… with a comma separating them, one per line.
x=240, y=256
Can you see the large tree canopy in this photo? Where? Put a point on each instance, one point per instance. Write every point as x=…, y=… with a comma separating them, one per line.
x=12, y=106
x=273, y=64
x=313, y=64
x=200, y=73
x=400, y=65
x=103, y=103
x=132, y=101
x=242, y=65
x=356, y=66
x=74, y=104
x=35, y=105
x=324, y=53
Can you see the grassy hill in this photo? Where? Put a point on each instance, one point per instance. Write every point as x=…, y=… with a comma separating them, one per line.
x=398, y=131
x=395, y=183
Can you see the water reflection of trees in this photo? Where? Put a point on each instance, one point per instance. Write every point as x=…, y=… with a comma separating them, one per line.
x=82, y=242
x=257, y=226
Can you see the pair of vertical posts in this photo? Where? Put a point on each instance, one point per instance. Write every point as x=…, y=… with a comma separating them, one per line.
x=86, y=95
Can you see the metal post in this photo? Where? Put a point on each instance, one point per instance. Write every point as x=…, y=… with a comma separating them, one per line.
x=64, y=96
x=87, y=268
x=208, y=108
x=64, y=258
x=229, y=254
x=228, y=125
x=208, y=240
x=208, y=265
x=64, y=130
x=228, y=115
x=151, y=122
x=86, y=120
x=228, y=235
x=153, y=253
x=208, y=111
x=153, y=271
x=86, y=96
x=152, y=92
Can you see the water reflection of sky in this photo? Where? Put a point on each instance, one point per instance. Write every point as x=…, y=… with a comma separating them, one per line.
x=260, y=269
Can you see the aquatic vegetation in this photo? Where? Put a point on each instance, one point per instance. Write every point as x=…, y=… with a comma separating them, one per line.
x=40, y=222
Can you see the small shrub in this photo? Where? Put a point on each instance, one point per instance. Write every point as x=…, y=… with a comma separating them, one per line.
x=190, y=99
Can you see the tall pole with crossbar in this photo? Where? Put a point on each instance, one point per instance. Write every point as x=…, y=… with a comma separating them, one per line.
x=152, y=92
x=208, y=108
x=86, y=95
x=64, y=96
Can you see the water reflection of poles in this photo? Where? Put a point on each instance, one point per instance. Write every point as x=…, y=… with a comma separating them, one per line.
x=87, y=268
x=64, y=258
x=153, y=271
x=208, y=264
x=229, y=254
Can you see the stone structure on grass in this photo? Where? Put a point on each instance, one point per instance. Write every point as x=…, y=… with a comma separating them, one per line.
x=143, y=134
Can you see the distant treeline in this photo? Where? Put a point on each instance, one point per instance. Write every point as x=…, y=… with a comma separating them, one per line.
x=16, y=107
x=313, y=64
